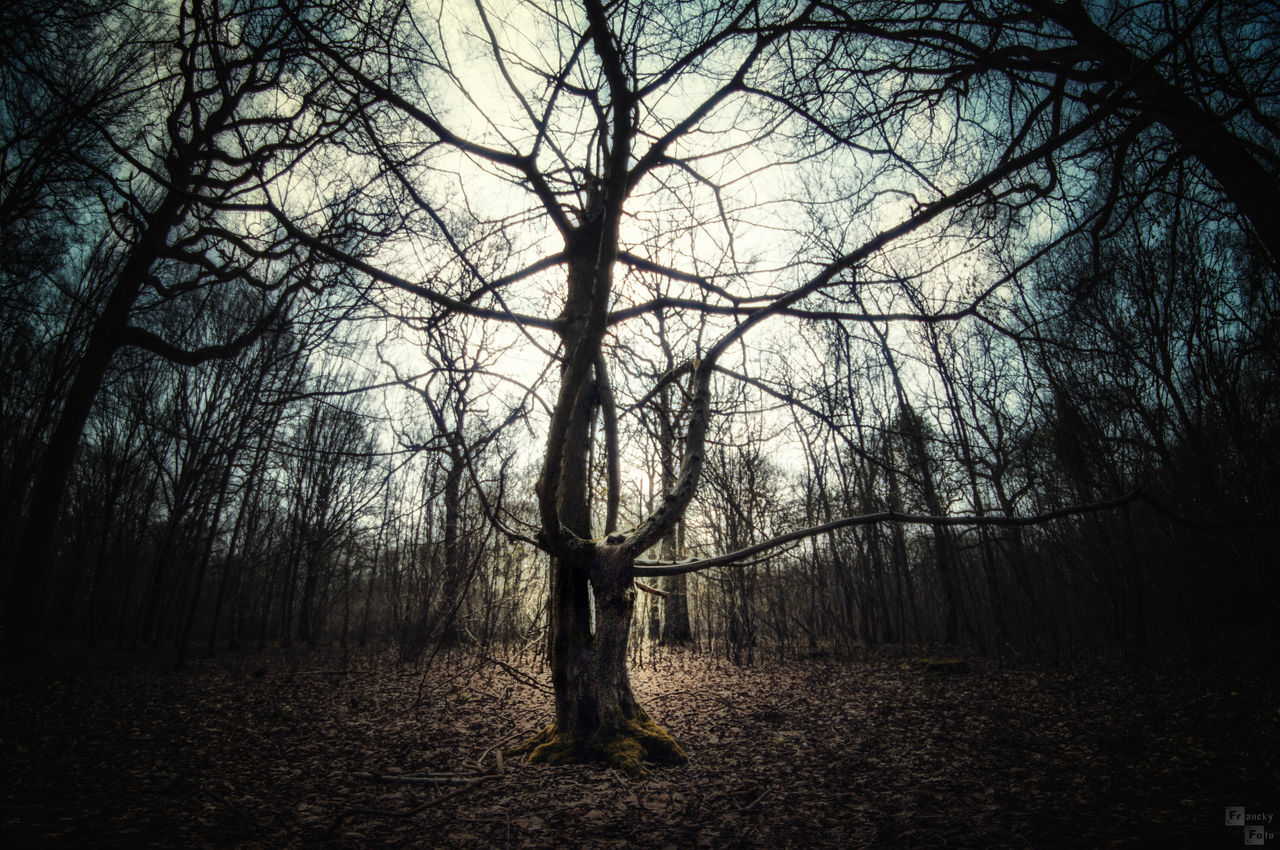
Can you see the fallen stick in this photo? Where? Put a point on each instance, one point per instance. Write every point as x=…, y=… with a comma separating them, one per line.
x=419, y=779
x=519, y=675
x=434, y=801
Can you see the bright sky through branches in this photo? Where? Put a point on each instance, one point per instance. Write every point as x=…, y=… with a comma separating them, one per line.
x=745, y=204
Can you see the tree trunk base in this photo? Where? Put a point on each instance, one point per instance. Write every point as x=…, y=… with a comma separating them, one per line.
x=636, y=740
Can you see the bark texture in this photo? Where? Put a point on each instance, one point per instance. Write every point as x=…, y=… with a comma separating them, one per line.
x=598, y=718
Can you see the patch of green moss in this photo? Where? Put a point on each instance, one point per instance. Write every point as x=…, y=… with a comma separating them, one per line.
x=635, y=741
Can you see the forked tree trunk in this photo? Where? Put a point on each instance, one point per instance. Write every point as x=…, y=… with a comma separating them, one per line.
x=594, y=690
x=598, y=717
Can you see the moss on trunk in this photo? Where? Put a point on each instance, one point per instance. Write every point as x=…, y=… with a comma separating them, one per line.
x=597, y=716
x=625, y=746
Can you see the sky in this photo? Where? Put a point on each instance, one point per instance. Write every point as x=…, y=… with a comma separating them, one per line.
x=766, y=225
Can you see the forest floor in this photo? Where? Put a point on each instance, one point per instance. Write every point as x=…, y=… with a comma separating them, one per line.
x=274, y=751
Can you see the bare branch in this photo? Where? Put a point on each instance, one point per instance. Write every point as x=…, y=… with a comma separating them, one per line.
x=883, y=516
x=382, y=276
x=522, y=165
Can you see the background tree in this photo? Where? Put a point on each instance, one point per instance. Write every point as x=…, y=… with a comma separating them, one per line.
x=177, y=217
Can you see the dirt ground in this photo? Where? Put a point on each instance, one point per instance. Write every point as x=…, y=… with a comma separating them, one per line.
x=308, y=751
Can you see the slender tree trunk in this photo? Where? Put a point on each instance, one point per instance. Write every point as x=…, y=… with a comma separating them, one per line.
x=307, y=603
x=368, y=594
x=230, y=564
x=193, y=606
x=149, y=618
x=347, y=568
x=676, y=630
x=264, y=613
x=449, y=634
x=912, y=433
x=24, y=596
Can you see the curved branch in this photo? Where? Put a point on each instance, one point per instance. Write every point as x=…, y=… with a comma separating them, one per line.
x=644, y=265
x=149, y=341
x=523, y=165
x=383, y=276
x=613, y=473
x=883, y=516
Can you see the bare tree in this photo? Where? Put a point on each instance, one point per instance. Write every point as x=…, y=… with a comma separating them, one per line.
x=623, y=111
x=215, y=118
x=608, y=218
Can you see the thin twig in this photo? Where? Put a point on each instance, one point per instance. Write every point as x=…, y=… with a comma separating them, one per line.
x=519, y=675
x=647, y=589
x=435, y=801
x=758, y=798
x=418, y=779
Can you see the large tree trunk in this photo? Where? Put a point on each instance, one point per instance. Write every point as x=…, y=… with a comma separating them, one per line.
x=597, y=716
x=594, y=690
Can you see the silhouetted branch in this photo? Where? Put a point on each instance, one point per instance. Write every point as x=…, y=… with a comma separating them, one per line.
x=646, y=568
